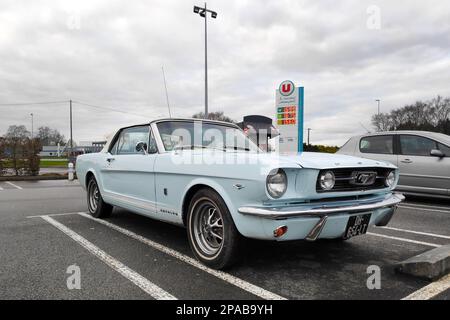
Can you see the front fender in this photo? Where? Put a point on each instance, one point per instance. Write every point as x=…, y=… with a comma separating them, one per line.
x=230, y=200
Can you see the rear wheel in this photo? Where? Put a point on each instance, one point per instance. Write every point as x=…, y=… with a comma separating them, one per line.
x=213, y=237
x=97, y=207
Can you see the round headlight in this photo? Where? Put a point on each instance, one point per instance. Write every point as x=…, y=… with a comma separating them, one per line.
x=276, y=183
x=390, y=179
x=327, y=180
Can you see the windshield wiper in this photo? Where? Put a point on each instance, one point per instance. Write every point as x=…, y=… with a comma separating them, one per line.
x=194, y=146
x=236, y=148
x=187, y=146
x=198, y=146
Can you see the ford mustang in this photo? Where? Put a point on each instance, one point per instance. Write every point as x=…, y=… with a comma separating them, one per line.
x=209, y=177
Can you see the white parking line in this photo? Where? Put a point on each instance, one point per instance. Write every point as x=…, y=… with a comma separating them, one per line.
x=425, y=209
x=253, y=289
x=53, y=215
x=431, y=290
x=143, y=283
x=13, y=185
x=405, y=240
x=424, y=206
x=417, y=232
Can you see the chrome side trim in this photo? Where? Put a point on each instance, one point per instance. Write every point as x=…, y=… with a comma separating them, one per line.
x=424, y=176
x=276, y=213
x=141, y=204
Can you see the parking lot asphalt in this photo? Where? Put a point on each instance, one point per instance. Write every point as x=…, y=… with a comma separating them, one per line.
x=44, y=230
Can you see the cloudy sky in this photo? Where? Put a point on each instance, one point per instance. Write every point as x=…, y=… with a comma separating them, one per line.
x=110, y=53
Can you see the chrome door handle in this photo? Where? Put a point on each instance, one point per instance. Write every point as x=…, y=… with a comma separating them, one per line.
x=110, y=159
x=406, y=161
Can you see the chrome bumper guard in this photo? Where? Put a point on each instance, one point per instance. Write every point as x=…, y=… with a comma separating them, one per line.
x=323, y=211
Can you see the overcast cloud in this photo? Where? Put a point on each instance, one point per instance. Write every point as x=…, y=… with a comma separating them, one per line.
x=110, y=53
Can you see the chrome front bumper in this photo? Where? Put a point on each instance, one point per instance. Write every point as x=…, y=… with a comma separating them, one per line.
x=322, y=211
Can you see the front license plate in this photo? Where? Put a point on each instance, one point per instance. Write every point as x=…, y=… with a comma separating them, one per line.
x=357, y=225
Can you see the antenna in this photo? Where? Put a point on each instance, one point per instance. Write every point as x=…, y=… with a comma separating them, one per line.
x=167, y=93
x=368, y=131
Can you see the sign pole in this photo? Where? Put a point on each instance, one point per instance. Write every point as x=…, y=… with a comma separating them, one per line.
x=301, y=101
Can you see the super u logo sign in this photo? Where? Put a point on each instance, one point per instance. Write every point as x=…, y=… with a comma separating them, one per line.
x=287, y=88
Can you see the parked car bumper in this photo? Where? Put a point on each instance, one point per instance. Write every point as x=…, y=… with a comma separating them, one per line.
x=319, y=220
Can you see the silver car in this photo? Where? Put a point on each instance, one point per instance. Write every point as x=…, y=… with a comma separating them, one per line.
x=422, y=157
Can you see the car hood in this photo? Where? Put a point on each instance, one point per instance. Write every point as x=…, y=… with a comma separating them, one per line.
x=311, y=160
x=316, y=160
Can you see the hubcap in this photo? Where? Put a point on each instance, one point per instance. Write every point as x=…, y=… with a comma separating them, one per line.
x=94, y=197
x=208, y=227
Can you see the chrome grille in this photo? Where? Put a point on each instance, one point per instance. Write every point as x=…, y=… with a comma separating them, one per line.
x=355, y=179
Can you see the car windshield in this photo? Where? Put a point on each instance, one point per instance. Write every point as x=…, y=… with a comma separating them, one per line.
x=177, y=135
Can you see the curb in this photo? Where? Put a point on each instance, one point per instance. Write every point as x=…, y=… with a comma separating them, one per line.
x=431, y=265
x=34, y=178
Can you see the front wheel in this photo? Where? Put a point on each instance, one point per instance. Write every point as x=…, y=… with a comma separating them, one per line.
x=97, y=207
x=212, y=235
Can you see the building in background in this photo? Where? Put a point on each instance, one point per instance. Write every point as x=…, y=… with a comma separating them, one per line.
x=53, y=151
x=89, y=147
x=82, y=148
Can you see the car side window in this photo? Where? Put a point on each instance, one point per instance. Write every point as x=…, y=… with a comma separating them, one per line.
x=416, y=145
x=445, y=149
x=129, y=137
x=377, y=144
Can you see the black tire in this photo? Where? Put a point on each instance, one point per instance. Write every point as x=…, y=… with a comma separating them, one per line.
x=209, y=249
x=96, y=206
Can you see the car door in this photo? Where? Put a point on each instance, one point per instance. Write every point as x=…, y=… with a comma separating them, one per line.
x=128, y=176
x=419, y=170
x=377, y=147
x=445, y=164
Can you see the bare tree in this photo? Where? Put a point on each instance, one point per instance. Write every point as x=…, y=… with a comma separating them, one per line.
x=22, y=150
x=381, y=122
x=219, y=115
x=17, y=132
x=433, y=115
x=50, y=136
x=441, y=110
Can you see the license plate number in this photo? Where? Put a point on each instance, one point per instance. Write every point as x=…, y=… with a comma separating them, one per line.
x=357, y=225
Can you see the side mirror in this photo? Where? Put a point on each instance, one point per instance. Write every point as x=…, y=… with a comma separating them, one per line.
x=437, y=153
x=141, y=146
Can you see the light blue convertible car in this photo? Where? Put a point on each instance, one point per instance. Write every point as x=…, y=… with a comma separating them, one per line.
x=212, y=179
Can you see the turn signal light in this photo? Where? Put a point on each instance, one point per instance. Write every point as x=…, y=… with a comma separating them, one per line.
x=278, y=232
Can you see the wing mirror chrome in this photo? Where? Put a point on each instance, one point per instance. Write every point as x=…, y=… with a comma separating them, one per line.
x=141, y=146
x=437, y=153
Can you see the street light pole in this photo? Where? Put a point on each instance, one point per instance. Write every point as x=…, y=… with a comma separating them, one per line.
x=71, y=137
x=203, y=12
x=309, y=130
x=206, y=65
x=378, y=100
x=32, y=125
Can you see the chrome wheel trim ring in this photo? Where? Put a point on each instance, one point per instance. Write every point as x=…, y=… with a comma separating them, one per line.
x=207, y=228
x=94, y=196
